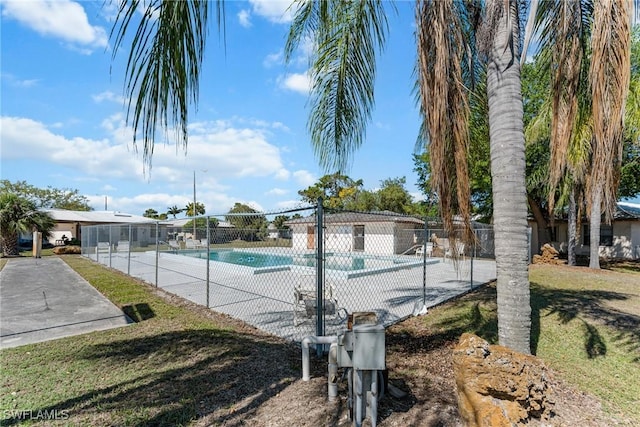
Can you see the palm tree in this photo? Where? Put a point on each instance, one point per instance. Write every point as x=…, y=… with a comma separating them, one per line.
x=198, y=211
x=150, y=213
x=343, y=70
x=163, y=74
x=174, y=210
x=19, y=215
x=587, y=124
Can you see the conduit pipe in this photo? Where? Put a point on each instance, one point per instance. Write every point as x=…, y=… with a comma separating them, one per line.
x=333, y=361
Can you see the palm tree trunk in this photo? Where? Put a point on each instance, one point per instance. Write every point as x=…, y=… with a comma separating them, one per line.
x=571, y=220
x=594, y=228
x=10, y=244
x=509, y=191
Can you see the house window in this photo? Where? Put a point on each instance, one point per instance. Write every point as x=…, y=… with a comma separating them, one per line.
x=553, y=233
x=606, y=235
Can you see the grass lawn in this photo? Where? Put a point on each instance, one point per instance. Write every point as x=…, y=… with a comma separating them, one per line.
x=182, y=364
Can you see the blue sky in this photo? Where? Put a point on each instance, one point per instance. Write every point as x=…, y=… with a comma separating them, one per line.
x=63, y=115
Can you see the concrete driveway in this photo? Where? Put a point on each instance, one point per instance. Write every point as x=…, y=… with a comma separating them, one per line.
x=44, y=299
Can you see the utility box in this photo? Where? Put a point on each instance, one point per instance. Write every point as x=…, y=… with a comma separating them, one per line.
x=369, y=347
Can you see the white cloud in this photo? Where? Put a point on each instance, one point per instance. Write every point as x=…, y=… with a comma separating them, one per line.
x=223, y=156
x=297, y=82
x=276, y=192
x=273, y=59
x=304, y=178
x=277, y=11
x=244, y=17
x=16, y=82
x=26, y=138
x=282, y=174
x=63, y=19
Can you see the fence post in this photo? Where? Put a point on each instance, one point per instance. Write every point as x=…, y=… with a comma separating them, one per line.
x=208, y=246
x=157, y=249
x=110, y=246
x=424, y=264
x=319, y=273
x=473, y=255
x=129, y=254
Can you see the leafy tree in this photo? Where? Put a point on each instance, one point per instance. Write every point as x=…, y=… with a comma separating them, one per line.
x=393, y=196
x=250, y=223
x=201, y=227
x=174, y=210
x=53, y=198
x=338, y=191
x=198, y=211
x=19, y=215
x=279, y=221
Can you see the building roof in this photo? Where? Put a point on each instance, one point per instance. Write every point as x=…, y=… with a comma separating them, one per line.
x=358, y=217
x=182, y=221
x=106, y=217
x=627, y=210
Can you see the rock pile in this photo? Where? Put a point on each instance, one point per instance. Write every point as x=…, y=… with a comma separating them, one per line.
x=548, y=255
x=498, y=386
x=70, y=249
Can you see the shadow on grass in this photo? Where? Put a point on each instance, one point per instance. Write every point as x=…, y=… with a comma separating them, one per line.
x=175, y=377
x=588, y=306
x=479, y=316
x=139, y=312
x=470, y=318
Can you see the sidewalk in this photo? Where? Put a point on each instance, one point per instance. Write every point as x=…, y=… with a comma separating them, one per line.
x=44, y=299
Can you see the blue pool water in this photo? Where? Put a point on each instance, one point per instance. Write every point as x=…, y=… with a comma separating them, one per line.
x=342, y=262
x=250, y=259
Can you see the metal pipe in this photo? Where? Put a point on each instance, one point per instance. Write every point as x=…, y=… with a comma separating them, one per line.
x=333, y=371
x=373, y=407
x=306, y=376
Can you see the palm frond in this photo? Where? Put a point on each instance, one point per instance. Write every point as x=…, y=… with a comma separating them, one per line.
x=609, y=78
x=347, y=36
x=164, y=64
x=444, y=103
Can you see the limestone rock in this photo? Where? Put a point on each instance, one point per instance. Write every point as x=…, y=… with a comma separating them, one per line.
x=548, y=255
x=498, y=386
x=62, y=250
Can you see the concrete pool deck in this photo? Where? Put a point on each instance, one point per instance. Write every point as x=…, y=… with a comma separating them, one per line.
x=266, y=300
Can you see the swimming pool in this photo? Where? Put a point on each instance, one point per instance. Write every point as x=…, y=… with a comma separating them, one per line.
x=247, y=259
x=349, y=264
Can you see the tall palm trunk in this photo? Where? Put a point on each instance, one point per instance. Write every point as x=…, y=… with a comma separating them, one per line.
x=594, y=228
x=572, y=220
x=508, y=177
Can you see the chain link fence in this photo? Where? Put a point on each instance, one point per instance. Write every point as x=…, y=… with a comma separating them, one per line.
x=301, y=272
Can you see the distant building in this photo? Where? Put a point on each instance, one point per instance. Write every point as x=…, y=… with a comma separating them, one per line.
x=620, y=240
x=69, y=224
x=385, y=233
